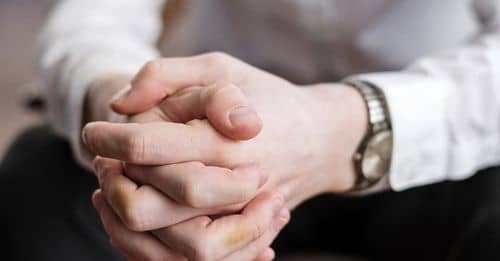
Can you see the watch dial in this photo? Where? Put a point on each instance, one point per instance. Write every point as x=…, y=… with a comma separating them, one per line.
x=377, y=155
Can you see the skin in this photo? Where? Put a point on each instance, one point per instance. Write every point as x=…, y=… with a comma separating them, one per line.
x=242, y=236
x=209, y=135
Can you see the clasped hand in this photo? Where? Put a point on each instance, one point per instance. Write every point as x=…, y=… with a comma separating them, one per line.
x=214, y=155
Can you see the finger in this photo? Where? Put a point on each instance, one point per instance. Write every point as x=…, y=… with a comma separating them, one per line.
x=181, y=107
x=230, y=112
x=136, y=245
x=162, y=77
x=259, y=249
x=267, y=255
x=203, y=239
x=141, y=208
x=199, y=186
x=154, y=143
x=224, y=104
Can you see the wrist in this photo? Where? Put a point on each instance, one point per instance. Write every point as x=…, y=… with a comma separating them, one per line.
x=343, y=117
x=99, y=95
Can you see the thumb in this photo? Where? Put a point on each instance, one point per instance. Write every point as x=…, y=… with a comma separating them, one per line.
x=224, y=105
x=229, y=111
x=160, y=78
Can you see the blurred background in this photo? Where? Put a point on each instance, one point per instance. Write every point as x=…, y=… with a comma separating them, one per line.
x=20, y=21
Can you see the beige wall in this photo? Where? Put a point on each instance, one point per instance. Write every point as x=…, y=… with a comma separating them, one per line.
x=19, y=22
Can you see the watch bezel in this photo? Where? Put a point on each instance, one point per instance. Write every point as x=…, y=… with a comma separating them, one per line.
x=364, y=181
x=376, y=144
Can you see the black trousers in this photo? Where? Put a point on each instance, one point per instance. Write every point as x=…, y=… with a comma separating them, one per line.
x=46, y=214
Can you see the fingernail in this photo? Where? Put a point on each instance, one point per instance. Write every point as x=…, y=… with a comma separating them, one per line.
x=281, y=219
x=241, y=116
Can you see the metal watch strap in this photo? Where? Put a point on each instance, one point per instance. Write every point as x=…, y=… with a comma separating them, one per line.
x=378, y=121
x=378, y=115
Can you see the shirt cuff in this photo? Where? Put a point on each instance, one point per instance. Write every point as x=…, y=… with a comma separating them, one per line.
x=418, y=114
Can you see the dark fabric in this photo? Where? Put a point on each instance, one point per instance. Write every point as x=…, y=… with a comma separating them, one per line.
x=46, y=203
x=46, y=214
x=445, y=221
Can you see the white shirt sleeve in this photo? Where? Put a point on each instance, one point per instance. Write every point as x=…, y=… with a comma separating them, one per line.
x=83, y=40
x=445, y=112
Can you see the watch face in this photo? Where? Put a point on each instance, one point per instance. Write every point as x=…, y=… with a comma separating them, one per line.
x=377, y=155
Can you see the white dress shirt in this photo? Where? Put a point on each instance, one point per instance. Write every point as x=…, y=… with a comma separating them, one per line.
x=438, y=63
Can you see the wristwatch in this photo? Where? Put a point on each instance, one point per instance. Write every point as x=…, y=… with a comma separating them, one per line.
x=373, y=155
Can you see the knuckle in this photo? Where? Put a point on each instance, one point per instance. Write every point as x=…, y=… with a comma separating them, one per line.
x=220, y=150
x=98, y=164
x=210, y=95
x=193, y=246
x=240, y=190
x=133, y=148
x=217, y=57
x=104, y=173
x=106, y=168
x=221, y=92
x=149, y=71
x=133, y=217
x=151, y=68
x=200, y=251
x=273, y=195
x=219, y=61
x=256, y=230
x=129, y=209
x=222, y=155
x=190, y=192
